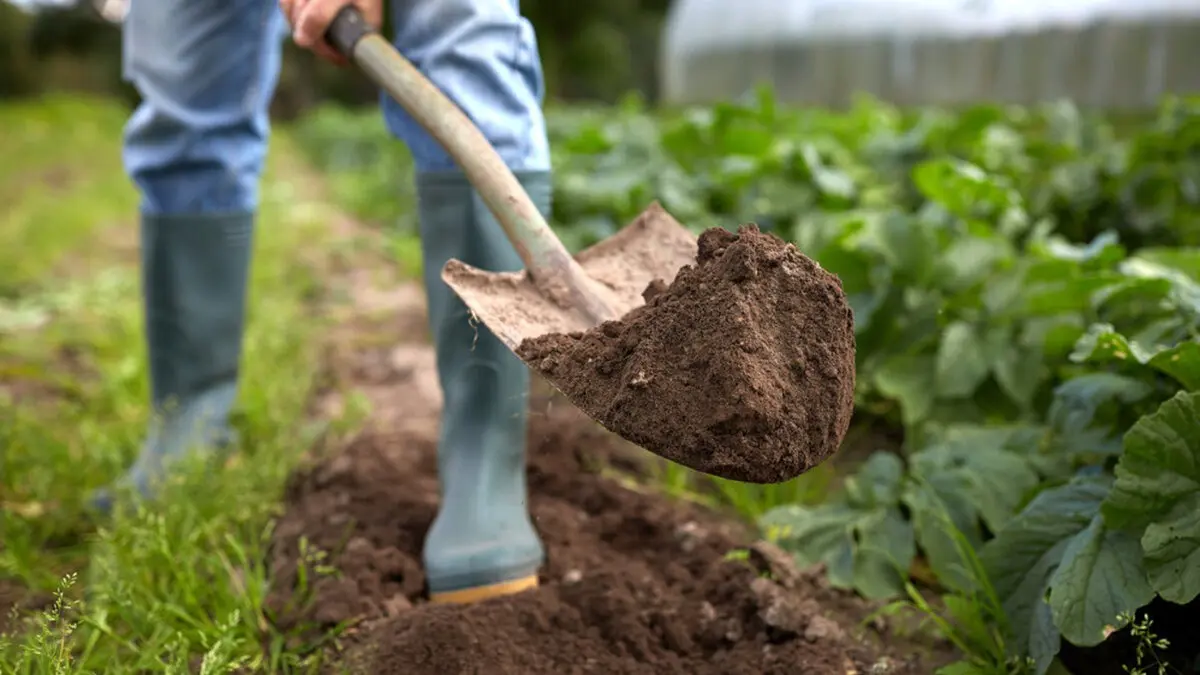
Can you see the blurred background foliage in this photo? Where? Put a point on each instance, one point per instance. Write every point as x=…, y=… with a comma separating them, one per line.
x=594, y=51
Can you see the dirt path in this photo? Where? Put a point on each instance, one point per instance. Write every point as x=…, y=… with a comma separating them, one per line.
x=635, y=583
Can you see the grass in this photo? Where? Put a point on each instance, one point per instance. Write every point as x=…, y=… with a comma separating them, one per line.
x=58, y=191
x=183, y=584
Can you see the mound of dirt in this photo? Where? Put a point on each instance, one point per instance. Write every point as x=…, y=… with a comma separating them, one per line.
x=742, y=368
x=635, y=582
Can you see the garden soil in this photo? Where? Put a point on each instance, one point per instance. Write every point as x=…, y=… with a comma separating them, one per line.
x=635, y=582
x=16, y=602
x=743, y=367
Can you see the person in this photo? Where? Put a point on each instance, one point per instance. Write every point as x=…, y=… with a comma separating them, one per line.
x=195, y=146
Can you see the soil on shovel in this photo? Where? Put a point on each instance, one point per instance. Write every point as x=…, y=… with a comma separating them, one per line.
x=743, y=367
x=635, y=583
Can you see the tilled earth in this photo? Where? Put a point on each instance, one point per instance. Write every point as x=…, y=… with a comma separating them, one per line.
x=16, y=601
x=635, y=582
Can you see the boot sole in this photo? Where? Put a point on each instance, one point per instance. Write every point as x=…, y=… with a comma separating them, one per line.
x=470, y=595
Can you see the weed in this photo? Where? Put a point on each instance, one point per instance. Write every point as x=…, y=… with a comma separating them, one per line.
x=972, y=618
x=1148, y=646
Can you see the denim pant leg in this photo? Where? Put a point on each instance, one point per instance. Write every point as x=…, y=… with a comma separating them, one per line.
x=483, y=55
x=206, y=70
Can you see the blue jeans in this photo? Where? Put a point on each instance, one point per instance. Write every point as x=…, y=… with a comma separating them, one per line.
x=207, y=71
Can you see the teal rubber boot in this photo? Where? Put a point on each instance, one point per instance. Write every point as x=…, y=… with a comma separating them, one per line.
x=482, y=543
x=195, y=271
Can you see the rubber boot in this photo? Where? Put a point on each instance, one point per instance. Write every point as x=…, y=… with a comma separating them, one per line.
x=195, y=270
x=482, y=543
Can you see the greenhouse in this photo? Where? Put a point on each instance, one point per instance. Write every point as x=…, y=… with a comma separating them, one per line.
x=1111, y=54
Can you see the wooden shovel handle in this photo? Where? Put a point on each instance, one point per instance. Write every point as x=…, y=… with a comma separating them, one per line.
x=551, y=267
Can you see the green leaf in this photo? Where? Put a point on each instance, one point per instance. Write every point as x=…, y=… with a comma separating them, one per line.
x=1172, y=550
x=1101, y=577
x=963, y=188
x=1185, y=260
x=866, y=550
x=1157, y=494
x=1103, y=249
x=885, y=552
x=1077, y=400
x=1185, y=287
x=1002, y=293
x=828, y=180
x=954, y=486
x=877, y=482
x=962, y=364
x=966, y=469
x=907, y=245
x=909, y=380
x=868, y=547
x=1018, y=369
x=934, y=522
x=1022, y=559
x=970, y=260
x=1053, y=336
x=1062, y=295
x=1129, y=300
x=1102, y=343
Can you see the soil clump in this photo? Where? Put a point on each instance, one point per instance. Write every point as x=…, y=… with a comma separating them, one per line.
x=742, y=367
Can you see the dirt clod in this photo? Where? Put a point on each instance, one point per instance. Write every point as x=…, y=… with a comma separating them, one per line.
x=743, y=367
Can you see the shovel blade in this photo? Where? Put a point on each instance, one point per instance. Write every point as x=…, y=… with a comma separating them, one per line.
x=653, y=246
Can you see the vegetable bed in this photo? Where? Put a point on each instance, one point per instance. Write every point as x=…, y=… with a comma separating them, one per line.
x=1026, y=289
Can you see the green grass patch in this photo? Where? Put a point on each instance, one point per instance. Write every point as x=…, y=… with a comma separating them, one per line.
x=182, y=583
x=61, y=182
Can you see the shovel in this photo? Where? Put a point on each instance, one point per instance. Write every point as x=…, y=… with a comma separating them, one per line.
x=556, y=293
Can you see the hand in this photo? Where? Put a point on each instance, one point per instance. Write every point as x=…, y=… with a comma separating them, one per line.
x=311, y=18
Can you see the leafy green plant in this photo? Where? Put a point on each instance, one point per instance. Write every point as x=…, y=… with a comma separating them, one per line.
x=972, y=619
x=1080, y=519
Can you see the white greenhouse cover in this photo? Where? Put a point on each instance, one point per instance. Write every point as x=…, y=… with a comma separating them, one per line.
x=701, y=24
x=1103, y=53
